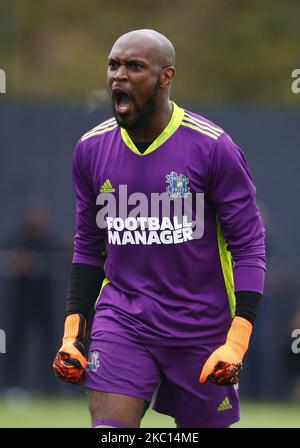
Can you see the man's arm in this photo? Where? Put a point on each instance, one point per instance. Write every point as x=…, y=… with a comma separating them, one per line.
x=84, y=285
x=86, y=274
x=232, y=192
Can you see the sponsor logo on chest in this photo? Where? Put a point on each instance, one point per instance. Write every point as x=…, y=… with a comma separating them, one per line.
x=171, y=217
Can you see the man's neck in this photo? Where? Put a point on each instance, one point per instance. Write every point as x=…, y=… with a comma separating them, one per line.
x=154, y=126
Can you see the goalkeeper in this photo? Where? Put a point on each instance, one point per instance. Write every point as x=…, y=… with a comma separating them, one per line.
x=173, y=315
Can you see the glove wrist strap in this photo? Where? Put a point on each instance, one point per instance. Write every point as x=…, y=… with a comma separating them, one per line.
x=239, y=335
x=75, y=327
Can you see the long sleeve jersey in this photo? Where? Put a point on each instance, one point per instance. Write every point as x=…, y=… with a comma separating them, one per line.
x=180, y=225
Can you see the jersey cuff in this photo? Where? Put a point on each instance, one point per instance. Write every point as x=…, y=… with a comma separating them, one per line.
x=249, y=278
x=79, y=258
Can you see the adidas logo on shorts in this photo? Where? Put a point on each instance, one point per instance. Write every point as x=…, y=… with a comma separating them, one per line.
x=225, y=405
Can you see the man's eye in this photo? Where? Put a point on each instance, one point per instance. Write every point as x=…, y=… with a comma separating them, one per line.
x=134, y=65
x=113, y=65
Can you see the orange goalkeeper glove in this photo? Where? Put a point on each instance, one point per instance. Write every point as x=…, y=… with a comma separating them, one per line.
x=70, y=362
x=224, y=365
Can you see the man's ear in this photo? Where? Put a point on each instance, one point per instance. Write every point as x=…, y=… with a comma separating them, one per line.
x=167, y=76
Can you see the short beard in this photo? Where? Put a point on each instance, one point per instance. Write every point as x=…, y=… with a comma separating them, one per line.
x=143, y=114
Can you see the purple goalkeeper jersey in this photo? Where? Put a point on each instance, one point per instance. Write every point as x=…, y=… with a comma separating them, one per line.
x=180, y=225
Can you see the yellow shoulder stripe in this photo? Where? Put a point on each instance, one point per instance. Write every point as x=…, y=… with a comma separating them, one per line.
x=200, y=130
x=99, y=132
x=195, y=120
x=104, y=125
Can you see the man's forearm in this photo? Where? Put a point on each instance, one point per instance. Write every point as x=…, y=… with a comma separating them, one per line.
x=83, y=288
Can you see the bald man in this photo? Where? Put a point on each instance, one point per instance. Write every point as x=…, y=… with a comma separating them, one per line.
x=170, y=245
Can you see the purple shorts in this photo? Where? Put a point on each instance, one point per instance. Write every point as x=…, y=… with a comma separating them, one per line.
x=121, y=365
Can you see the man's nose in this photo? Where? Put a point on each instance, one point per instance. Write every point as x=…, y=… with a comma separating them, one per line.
x=121, y=73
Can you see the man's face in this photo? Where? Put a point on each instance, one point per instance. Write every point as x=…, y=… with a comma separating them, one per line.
x=133, y=79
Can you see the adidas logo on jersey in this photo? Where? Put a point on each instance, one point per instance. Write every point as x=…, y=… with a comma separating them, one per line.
x=107, y=187
x=225, y=405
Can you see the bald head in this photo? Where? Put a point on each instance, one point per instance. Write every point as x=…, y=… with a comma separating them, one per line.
x=139, y=78
x=152, y=43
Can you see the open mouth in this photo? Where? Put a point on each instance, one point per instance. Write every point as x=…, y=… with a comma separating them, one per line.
x=122, y=101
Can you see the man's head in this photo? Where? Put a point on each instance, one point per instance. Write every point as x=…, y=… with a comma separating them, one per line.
x=139, y=76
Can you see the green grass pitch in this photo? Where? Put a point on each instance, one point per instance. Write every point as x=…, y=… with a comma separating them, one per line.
x=73, y=413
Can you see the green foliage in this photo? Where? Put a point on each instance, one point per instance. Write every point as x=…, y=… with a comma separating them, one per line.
x=227, y=51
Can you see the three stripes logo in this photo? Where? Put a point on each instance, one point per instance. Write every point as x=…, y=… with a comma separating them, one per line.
x=102, y=128
x=225, y=405
x=107, y=187
x=201, y=126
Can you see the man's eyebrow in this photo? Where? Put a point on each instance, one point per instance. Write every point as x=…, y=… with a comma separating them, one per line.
x=136, y=59
x=130, y=59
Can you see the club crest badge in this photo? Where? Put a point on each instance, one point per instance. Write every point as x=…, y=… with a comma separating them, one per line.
x=177, y=187
x=93, y=361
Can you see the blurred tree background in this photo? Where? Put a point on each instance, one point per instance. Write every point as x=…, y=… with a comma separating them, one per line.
x=227, y=51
